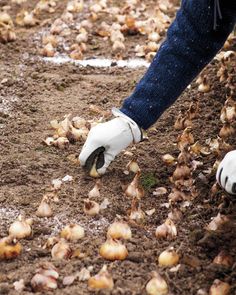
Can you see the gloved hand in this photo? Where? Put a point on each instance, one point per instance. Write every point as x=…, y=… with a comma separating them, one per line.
x=226, y=173
x=106, y=140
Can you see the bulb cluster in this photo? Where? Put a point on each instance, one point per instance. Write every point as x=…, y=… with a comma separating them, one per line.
x=127, y=21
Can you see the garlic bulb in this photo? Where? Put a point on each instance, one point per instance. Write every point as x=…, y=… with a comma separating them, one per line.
x=44, y=209
x=61, y=250
x=72, y=232
x=9, y=248
x=91, y=207
x=219, y=288
x=102, y=280
x=157, y=285
x=168, y=257
x=119, y=230
x=20, y=228
x=113, y=250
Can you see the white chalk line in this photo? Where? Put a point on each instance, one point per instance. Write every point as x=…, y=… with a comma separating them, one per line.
x=98, y=62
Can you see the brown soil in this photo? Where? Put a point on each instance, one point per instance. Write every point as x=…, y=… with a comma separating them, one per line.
x=33, y=93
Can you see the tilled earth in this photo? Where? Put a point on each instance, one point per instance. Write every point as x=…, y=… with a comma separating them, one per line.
x=32, y=93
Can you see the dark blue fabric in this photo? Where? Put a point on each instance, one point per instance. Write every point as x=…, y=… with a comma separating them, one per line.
x=191, y=43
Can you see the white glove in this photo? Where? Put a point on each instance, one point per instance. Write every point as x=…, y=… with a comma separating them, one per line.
x=226, y=173
x=106, y=140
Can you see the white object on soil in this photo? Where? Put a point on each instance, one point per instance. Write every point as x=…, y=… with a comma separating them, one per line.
x=98, y=62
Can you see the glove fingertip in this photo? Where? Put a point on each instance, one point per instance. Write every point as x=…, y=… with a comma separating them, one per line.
x=81, y=160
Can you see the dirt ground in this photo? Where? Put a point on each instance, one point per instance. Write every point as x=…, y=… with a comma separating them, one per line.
x=32, y=93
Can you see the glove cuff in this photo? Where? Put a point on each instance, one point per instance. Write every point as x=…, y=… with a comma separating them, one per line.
x=135, y=130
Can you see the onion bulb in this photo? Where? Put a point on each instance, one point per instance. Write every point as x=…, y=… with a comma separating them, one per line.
x=72, y=232
x=185, y=139
x=133, y=166
x=61, y=250
x=9, y=248
x=20, y=228
x=134, y=189
x=94, y=193
x=168, y=257
x=93, y=172
x=91, y=207
x=136, y=213
x=102, y=280
x=166, y=230
x=5, y=18
x=53, y=41
x=77, y=55
x=224, y=259
x=119, y=230
x=49, y=141
x=75, y=6
x=45, y=279
x=48, y=50
x=118, y=46
x=168, y=159
x=113, y=250
x=154, y=37
x=157, y=285
x=217, y=222
x=175, y=214
x=75, y=134
x=204, y=86
x=181, y=172
x=226, y=131
x=44, y=209
x=78, y=122
x=219, y=288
